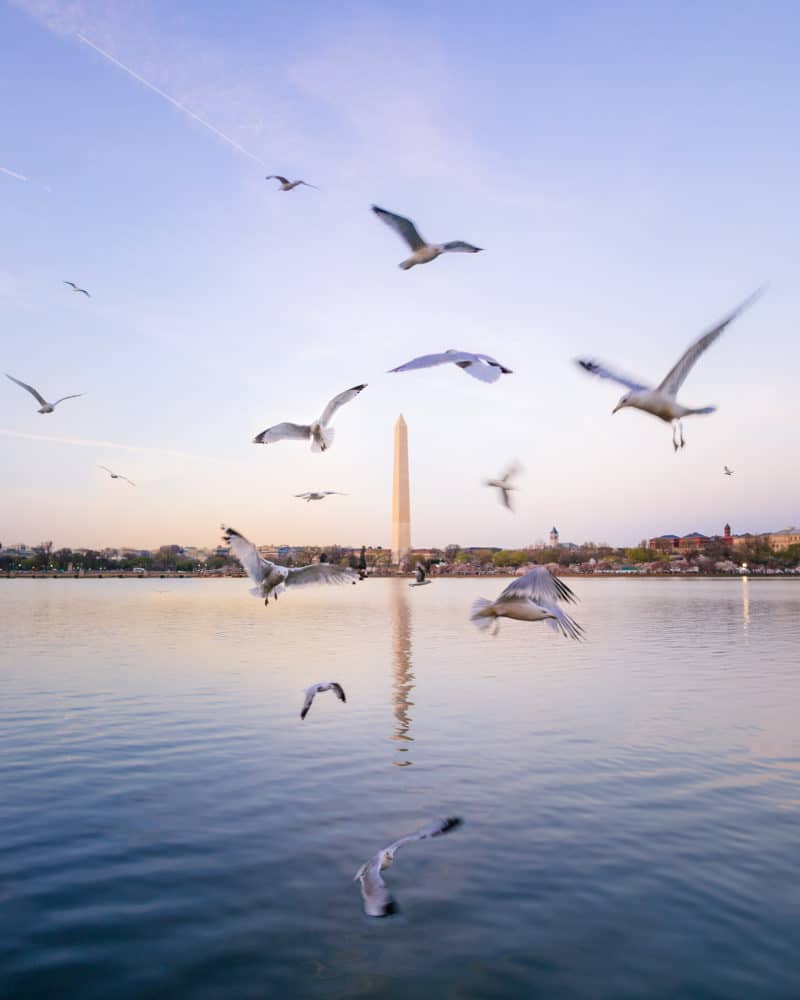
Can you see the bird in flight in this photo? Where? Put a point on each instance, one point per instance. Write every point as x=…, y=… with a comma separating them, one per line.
x=504, y=484
x=75, y=288
x=318, y=495
x=422, y=576
x=531, y=598
x=378, y=901
x=315, y=689
x=479, y=366
x=116, y=475
x=287, y=185
x=661, y=401
x=727, y=471
x=321, y=435
x=423, y=252
x=271, y=579
x=45, y=407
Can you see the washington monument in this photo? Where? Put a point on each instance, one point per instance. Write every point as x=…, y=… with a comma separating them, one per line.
x=401, y=505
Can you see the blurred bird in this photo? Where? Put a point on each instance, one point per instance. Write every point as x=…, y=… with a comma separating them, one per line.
x=504, y=484
x=423, y=252
x=531, y=598
x=479, y=366
x=661, y=401
x=315, y=689
x=45, y=406
x=321, y=435
x=378, y=901
x=271, y=579
x=287, y=185
x=116, y=475
x=727, y=471
x=422, y=576
x=319, y=495
x=75, y=288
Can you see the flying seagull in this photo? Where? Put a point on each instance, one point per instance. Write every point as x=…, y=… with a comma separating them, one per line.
x=319, y=495
x=661, y=401
x=727, y=471
x=422, y=576
x=422, y=252
x=271, y=579
x=75, y=288
x=321, y=435
x=504, y=484
x=531, y=598
x=116, y=475
x=287, y=185
x=45, y=407
x=378, y=900
x=479, y=366
x=315, y=689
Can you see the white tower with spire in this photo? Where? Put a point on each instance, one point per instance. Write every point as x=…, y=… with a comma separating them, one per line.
x=401, y=503
x=554, y=537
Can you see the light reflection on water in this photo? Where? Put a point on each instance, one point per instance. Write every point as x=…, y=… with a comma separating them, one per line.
x=169, y=826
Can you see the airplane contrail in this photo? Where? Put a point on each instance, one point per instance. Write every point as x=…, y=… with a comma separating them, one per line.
x=181, y=107
x=13, y=173
x=89, y=443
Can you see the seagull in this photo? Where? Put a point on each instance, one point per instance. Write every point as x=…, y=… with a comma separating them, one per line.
x=531, y=598
x=45, y=407
x=287, y=185
x=75, y=288
x=315, y=689
x=321, y=435
x=727, y=471
x=503, y=484
x=423, y=252
x=661, y=401
x=479, y=366
x=271, y=579
x=422, y=577
x=378, y=900
x=116, y=475
x=319, y=495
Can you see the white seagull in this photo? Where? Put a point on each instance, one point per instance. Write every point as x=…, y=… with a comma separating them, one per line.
x=422, y=252
x=75, y=288
x=661, y=401
x=318, y=495
x=271, y=579
x=287, y=185
x=504, y=484
x=422, y=576
x=378, y=900
x=45, y=406
x=531, y=598
x=315, y=689
x=116, y=475
x=727, y=471
x=480, y=366
x=321, y=435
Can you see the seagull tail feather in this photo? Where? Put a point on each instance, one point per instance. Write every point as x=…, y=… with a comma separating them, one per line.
x=481, y=613
x=325, y=440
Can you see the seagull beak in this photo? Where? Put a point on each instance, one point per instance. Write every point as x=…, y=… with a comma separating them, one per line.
x=617, y=407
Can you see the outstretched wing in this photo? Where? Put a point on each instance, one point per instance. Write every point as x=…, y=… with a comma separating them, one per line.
x=513, y=470
x=340, y=400
x=74, y=396
x=539, y=585
x=247, y=554
x=562, y=622
x=30, y=389
x=459, y=246
x=431, y=360
x=677, y=376
x=83, y=292
x=402, y=226
x=71, y=285
x=283, y=432
x=435, y=829
x=338, y=690
x=128, y=480
x=309, y=698
x=276, y=177
x=603, y=371
x=317, y=573
x=480, y=370
x=302, y=496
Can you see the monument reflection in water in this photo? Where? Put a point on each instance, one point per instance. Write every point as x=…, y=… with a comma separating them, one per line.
x=402, y=673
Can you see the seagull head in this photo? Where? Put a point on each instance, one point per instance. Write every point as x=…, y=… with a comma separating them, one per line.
x=624, y=401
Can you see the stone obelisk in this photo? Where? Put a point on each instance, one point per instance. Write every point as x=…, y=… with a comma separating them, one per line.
x=401, y=505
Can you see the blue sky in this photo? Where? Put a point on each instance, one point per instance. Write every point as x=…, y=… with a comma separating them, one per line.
x=630, y=170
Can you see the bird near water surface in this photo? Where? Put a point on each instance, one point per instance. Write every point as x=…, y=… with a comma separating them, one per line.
x=531, y=598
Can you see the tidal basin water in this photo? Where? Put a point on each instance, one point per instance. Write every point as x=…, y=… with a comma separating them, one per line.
x=170, y=828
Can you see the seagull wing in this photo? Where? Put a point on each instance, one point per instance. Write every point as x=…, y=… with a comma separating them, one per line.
x=317, y=573
x=402, y=226
x=309, y=698
x=283, y=432
x=506, y=498
x=378, y=900
x=71, y=285
x=459, y=246
x=603, y=371
x=480, y=370
x=431, y=360
x=106, y=468
x=677, y=376
x=539, y=585
x=247, y=554
x=340, y=400
x=302, y=496
x=338, y=690
x=513, y=470
x=435, y=829
x=276, y=177
x=128, y=480
x=306, y=184
x=74, y=396
x=83, y=292
x=562, y=622
x=30, y=389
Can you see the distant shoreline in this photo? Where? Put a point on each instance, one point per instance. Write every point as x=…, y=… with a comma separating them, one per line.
x=488, y=577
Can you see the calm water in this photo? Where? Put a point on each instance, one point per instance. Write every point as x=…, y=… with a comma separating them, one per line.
x=170, y=828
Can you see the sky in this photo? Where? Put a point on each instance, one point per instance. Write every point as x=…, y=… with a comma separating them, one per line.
x=630, y=169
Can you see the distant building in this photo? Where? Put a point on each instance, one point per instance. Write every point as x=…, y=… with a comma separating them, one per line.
x=781, y=540
x=680, y=543
x=554, y=537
